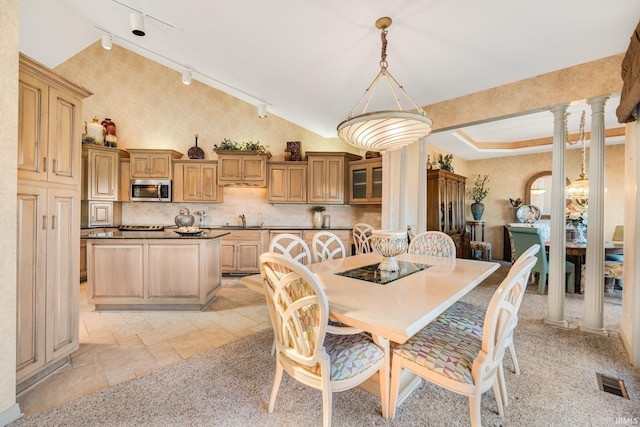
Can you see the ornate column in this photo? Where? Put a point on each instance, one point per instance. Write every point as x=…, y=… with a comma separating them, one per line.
x=557, y=249
x=391, y=183
x=593, y=319
x=403, y=190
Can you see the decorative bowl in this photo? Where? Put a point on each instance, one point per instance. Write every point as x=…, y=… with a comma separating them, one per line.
x=389, y=243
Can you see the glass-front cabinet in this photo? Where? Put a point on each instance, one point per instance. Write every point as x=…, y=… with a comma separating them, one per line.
x=365, y=181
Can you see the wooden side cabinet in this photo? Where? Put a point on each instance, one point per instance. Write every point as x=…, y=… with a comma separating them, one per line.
x=287, y=182
x=365, y=182
x=327, y=176
x=446, y=207
x=242, y=167
x=151, y=164
x=196, y=181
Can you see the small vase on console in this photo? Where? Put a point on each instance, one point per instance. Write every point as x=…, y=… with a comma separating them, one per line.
x=581, y=234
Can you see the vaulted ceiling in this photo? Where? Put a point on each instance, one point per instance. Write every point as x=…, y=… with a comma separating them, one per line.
x=311, y=61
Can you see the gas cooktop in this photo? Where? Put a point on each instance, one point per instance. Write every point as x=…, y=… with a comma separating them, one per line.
x=141, y=228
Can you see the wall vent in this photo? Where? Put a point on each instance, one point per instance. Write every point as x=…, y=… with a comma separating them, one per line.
x=612, y=385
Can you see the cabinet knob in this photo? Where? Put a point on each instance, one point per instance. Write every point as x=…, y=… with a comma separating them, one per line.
x=53, y=222
x=44, y=222
x=55, y=164
x=44, y=164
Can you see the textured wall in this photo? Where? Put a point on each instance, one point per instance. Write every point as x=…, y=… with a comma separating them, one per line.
x=8, y=190
x=153, y=109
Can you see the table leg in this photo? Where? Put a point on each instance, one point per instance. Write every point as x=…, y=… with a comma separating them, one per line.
x=577, y=260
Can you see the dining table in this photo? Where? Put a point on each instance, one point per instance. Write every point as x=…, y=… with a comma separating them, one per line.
x=393, y=306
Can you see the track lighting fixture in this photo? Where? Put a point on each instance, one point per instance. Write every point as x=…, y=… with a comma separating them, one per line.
x=262, y=111
x=137, y=24
x=186, y=77
x=106, y=41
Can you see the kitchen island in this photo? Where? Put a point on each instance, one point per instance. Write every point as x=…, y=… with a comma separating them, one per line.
x=153, y=270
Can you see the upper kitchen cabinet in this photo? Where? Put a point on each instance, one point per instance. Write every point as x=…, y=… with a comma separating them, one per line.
x=242, y=167
x=287, y=182
x=327, y=176
x=365, y=182
x=49, y=129
x=151, y=164
x=124, y=181
x=101, y=176
x=196, y=181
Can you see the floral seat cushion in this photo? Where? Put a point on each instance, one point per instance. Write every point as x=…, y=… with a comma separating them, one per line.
x=446, y=350
x=349, y=355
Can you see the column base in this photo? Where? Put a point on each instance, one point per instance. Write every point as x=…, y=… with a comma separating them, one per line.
x=561, y=323
x=596, y=331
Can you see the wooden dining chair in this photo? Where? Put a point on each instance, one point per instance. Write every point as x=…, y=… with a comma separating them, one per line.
x=361, y=237
x=434, y=243
x=326, y=246
x=460, y=361
x=292, y=246
x=307, y=347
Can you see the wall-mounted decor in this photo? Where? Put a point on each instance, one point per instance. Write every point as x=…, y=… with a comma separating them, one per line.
x=293, y=151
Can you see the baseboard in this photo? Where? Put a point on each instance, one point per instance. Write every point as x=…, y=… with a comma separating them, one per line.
x=10, y=414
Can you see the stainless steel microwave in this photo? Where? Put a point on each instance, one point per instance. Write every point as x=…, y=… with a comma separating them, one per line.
x=150, y=190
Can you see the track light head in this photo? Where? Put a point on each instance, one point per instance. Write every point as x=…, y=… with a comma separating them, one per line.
x=186, y=77
x=137, y=24
x=106, y=42
x=262, y=111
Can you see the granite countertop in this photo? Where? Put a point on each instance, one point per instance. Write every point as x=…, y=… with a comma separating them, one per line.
x=166, y=234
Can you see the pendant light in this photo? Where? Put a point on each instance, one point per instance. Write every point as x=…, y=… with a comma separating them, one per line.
x=384, y=130
x=579, y=189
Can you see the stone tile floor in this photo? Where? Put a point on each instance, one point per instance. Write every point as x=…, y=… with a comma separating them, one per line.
x=118, y=346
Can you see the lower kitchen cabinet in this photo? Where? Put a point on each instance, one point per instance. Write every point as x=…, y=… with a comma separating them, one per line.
x=241, y=250
x=48, y=250
x=343, y=235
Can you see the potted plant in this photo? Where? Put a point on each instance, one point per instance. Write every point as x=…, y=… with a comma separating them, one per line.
x=444, y=162
x=250, y=146
x=316, y=211
x=477, y=193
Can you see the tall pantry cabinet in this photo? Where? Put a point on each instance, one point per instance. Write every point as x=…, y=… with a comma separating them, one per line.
x=48, y=231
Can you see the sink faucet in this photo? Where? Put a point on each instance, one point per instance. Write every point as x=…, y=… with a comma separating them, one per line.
x=244, y=220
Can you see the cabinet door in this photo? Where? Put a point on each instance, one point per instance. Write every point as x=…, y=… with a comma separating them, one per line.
x=160, y=166
x=63, y=254
x=191, y=183
x=317, y=171
x=103, y=175
x=376, y=184
x=228, y=257
x=124, y=180
x=248, y=257
x=334, y=180
x=33, y=130
x=140, y=166
x=100, y=214
x=209, y=183
x=64, y=137
x=359, y=188
x=297, y=184
x=230, y=168
x=83, y=259
x=253, y=168
x=278, y=185
x=31, y=280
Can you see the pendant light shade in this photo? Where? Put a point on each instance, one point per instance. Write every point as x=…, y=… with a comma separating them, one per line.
x=384, y=130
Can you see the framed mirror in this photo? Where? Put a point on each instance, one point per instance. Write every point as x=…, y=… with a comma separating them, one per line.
x=538, y=192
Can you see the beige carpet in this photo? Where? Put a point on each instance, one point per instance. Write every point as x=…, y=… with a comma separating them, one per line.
x=230, y=386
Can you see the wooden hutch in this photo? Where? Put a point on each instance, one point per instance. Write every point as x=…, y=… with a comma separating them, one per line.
x=446, y=207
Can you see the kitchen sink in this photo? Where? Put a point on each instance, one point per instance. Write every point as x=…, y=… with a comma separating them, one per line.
x=239, y=227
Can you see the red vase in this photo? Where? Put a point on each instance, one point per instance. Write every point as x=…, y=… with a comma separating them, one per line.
x=109, y=126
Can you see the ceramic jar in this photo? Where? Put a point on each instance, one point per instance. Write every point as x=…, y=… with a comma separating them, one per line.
x=96, y=131
x=184, y=219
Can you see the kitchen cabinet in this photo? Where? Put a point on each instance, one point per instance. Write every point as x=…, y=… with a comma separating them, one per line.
x=287, y=182
x=48, y=221
x=242, y=167
x=48, y=251
x=96, y=213
x=327, y=176
x=151, y=164
x=196, y=181
x=241, y=250
x=49, y=130
x=446, y=207
x=124, y=180
x=365, y=181
x=100, y=205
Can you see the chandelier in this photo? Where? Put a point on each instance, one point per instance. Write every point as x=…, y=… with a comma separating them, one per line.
x=384, y=130
x=579, y=189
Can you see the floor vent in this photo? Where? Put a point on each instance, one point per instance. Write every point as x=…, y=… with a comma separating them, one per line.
x=612, y=385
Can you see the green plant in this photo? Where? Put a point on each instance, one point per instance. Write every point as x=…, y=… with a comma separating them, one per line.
x=228, y=145
x=317, y=208
x=480, y=189
x=444, y=162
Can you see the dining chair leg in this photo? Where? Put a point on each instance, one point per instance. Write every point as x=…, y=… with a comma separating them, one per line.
x=326, y=395
x=502, y=386
x=475, y=411
x=514, y=359
x=499, y=398
x=277, y=379
x=394, y=387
